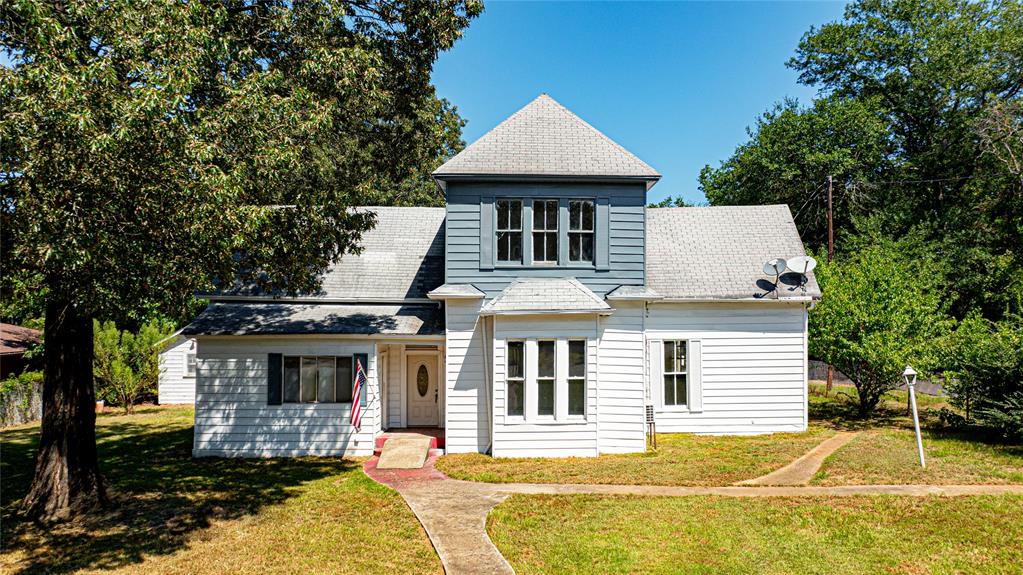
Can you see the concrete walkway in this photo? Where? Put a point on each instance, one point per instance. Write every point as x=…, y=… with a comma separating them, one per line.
x=454, y=512
x=802, y=470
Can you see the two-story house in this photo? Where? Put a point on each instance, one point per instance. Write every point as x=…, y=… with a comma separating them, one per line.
x=542, y=312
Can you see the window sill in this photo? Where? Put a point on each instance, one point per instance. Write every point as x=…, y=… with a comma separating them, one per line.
x=674, y=408
x=512, y=266
x=546, y=422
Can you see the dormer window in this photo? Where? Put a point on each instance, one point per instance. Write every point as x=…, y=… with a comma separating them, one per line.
x=509, y=231
x=580, y=230
x=545, y=231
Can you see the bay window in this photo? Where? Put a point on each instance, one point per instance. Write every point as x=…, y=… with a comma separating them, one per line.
x=545, y=378
x=577, y=377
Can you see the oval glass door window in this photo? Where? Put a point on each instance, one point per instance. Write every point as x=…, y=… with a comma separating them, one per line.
x=422, y=381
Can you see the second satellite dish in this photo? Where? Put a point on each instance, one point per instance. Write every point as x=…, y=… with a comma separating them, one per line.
x=801, y=264
x=774, y=267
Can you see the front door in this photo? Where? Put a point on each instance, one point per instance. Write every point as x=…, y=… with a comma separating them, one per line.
x=423, y=397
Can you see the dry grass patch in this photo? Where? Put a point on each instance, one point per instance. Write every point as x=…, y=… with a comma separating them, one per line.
x=680, y=459
x=174, y=514
x=888, y=455
x=715, y=535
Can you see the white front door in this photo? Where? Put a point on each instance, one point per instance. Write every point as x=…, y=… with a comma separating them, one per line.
x=423, y=398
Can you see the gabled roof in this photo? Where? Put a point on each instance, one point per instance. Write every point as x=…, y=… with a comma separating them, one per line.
x=545, y=295
x=402, y=258
x=284, y=318
x=719, y=253
x=545, y=139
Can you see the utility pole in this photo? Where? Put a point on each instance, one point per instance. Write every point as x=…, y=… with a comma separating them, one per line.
x=831, y=255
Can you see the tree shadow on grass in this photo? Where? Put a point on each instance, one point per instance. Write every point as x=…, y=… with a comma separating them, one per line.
x=161, y=497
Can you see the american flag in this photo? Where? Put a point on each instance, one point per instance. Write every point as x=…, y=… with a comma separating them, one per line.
x=360, y=380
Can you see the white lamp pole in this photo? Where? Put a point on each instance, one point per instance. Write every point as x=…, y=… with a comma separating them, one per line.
x=910, y=376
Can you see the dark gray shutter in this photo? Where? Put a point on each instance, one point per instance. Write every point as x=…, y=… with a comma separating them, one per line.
x=487, y=232
x=364, y=360
x=602, y=235
x=274, y=378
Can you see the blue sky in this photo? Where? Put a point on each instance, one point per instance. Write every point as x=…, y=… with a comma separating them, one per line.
x=677, y=84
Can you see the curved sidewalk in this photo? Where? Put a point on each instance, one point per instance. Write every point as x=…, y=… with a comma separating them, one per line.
x=454, y=512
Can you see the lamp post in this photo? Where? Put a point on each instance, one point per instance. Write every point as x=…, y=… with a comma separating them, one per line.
x=910, y=376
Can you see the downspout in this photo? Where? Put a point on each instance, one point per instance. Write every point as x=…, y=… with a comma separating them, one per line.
x=596, y=415
x=487, y=375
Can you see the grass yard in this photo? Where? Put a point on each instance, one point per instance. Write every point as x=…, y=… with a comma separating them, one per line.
x=680, y=459
x=179, y=515
x=710, y=535
x=885, y=451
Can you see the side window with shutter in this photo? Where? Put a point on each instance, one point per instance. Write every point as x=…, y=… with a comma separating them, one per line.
x=274, y=378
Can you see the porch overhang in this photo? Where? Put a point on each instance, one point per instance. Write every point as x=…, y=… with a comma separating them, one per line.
x=546, y=296
x=318, y=319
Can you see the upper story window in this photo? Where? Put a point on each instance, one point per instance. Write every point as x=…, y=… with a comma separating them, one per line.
x=545, y=231
x=509, y=231
x=580, y=230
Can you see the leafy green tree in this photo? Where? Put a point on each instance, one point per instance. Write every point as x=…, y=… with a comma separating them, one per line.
x=157, y=148
x=790, y=155
x=670, y=202
x=984, y=364
x=126, y=365
x=880, y=311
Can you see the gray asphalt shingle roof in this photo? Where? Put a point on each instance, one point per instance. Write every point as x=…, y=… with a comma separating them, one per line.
x=402, y=257
x=719, y=252
x=545, y=295
x=294, y=318
x=545, y=139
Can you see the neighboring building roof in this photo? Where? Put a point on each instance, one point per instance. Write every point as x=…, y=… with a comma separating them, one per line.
x=545, y=295
x=545, y=139
x=402, y=258
x=719, y=252
x=281, y=318
x=15, y=339
x=456, y=291
x=640, y=293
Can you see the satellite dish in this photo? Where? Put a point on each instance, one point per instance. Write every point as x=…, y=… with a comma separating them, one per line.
x=774, y=267
x=801, y=264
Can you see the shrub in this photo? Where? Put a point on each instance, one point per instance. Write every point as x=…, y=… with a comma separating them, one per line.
x=126, y=365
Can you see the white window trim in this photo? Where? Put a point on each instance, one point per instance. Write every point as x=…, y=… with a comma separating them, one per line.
x=508, y=380
x=585, y=378
x=680, y=407
x=195, y=364
x=592, y=232
x=546, y=230
x=535, y=381
x=520, y=230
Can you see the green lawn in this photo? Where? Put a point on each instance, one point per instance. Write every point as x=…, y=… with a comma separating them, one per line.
x=174, y=514
x=680, y=459
x=709, y=535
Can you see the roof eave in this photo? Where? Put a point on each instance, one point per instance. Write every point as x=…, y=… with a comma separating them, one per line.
x=441, y=178
x=603, y=311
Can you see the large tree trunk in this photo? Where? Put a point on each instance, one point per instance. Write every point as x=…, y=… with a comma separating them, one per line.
x=67, y=480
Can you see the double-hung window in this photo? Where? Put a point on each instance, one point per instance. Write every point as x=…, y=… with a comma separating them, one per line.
x=545, y=378
x=580, y=230
x=545, y=231
x=509, y=231
x=675, y=373
x=190, y=364
x=317, y=379
x=516, y=377
x=577, y=377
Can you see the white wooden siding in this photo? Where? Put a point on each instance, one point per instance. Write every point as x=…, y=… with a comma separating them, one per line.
x=465, y=417
x=621, y=409
x=394, y=385
x=174, y=386
x=753, y=365
x=515, y=437
x=232, y=417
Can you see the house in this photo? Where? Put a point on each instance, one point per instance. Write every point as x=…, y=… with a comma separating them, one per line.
x=177, y=370
x=538, y=313
x=15, y=341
